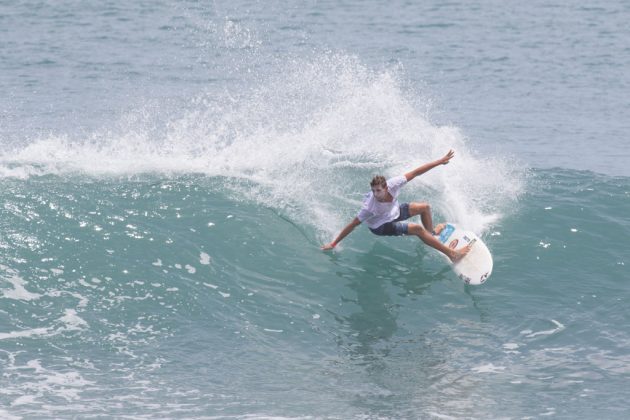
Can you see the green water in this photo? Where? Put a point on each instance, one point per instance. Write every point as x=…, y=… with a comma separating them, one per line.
x=168, y=298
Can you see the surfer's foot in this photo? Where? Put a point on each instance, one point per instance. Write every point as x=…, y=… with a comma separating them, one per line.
x=438, y=229
x=459, y=254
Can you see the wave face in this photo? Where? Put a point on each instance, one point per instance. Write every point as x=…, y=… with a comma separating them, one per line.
x=174, y=296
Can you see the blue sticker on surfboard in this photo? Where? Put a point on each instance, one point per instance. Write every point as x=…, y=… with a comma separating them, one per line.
x=476, y=266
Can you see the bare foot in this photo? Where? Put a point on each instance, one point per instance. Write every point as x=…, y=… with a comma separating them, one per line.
x=439, y=228
x=459, y=254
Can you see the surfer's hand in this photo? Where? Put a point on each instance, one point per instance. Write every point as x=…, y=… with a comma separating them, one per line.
x=447, y=157
x=328, y=247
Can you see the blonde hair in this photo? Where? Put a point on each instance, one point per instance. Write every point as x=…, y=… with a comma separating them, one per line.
x=378, y=180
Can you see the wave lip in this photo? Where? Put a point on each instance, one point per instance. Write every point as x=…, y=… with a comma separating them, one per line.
x=307, y=138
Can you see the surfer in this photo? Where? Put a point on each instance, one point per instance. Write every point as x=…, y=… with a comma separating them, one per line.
x=384, y=215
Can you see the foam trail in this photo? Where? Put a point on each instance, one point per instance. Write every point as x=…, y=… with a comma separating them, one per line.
x=305, y=141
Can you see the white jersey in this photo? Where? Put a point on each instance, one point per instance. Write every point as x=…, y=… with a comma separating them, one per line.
x=374, y=213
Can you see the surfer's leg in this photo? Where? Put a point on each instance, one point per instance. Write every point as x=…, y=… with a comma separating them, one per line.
x=432, y=241
x=424, y=210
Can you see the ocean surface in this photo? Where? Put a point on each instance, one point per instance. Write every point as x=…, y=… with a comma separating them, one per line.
x=169, y=171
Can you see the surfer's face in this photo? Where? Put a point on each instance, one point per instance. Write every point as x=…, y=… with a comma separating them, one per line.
x=380, y=193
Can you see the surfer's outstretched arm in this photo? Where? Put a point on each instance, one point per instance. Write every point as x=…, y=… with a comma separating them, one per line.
x=428, y=166
x=345, y=232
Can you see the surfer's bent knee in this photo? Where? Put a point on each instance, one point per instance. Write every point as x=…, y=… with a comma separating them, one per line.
x=418, y=208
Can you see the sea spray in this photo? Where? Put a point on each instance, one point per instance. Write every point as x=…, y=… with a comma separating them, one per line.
x=304, y=141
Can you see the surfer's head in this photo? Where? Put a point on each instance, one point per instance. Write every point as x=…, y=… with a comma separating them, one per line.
x=379, y=187
x=378, y=180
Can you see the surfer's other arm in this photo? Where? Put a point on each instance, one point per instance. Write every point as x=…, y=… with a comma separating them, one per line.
x=428, y=166
x=345, y=232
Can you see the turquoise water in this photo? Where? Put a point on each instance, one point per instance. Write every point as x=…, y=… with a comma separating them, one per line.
x=170, y=170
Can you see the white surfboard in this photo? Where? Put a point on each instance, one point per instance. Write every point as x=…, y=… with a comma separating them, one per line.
x=476, y=266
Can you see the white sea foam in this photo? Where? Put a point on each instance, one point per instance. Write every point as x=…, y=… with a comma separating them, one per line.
x=327, y=120
x=72, y=321
x=204, y=259
x=25, y=333
x=531, y=334
x=488, y=368
x=18, y=290
x=67, y=385
x=23, y=400
x=83, y=301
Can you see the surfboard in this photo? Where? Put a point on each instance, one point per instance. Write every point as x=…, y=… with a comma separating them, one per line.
x=476, y=266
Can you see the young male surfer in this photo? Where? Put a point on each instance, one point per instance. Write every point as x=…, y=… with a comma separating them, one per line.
x=384, y=215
